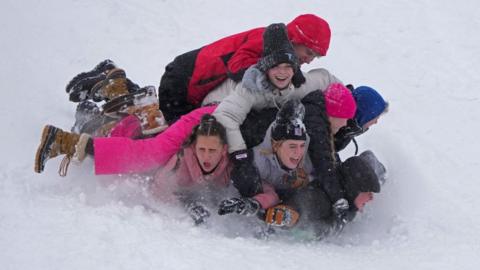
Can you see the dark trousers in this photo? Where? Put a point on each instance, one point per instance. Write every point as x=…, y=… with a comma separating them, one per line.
x=173, y=89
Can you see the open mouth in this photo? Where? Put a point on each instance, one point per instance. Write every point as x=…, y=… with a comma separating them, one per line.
x=281, y=79
x=294, y=160
x=207, y=165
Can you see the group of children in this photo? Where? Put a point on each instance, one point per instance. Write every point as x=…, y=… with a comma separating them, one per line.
x=238, y=111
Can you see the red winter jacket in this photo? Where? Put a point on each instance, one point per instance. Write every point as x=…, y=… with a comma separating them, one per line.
x=227, y=57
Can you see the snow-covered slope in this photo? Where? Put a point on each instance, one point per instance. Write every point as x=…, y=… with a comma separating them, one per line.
x=423, y=55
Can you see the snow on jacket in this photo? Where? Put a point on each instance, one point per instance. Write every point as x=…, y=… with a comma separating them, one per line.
x=271, y=171
x=255, y=93
x=114, y=155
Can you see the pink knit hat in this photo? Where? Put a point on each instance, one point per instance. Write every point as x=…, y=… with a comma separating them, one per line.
x=339, y=101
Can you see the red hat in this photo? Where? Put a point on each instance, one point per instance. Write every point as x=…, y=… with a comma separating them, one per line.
x=311, y=31
x=339, y=101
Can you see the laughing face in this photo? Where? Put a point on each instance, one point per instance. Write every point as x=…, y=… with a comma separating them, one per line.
x=281, y=75
x=209, y=151
x=290, y=152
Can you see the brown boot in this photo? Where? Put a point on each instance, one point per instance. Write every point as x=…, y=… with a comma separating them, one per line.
x=151, y=118
x=55, y=142
x=114, y=85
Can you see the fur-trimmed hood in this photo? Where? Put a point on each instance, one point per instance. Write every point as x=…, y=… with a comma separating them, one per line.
x=256, y=81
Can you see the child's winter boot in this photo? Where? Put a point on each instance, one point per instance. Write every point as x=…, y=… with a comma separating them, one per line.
x=144, y=105
x=114, y=85
x=55, y=142
x=151, y=118
x=81, y=84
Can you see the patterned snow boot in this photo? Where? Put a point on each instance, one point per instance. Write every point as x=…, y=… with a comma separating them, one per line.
x=151, y=118
x=81, y=84
x=55, y=142
x=114, y=85
x=144, y=105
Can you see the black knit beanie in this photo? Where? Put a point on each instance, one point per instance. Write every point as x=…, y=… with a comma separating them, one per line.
x=278, y=49
x=288, y=124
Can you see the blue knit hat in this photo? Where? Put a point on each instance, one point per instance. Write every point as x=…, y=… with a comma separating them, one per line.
x=370, y=104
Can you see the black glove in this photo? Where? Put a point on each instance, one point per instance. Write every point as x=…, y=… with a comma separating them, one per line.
x=245, y=175
x=340, y=209
x=350, y=87
x=242, y=206
x=346, y=134
x=197, y=212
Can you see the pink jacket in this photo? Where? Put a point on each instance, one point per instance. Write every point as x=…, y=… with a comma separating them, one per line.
x=183, y=171
x=114, y=155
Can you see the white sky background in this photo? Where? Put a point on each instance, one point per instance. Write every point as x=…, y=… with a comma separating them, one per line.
x=423, y=56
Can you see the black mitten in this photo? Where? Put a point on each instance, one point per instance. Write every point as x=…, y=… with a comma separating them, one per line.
x=242, y=206
x=197, y=212
x=350, y=87
x=245, y=175
x=340, y=209
x=346, y=134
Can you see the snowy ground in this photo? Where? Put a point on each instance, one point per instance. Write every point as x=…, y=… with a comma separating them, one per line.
x=424, y=56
